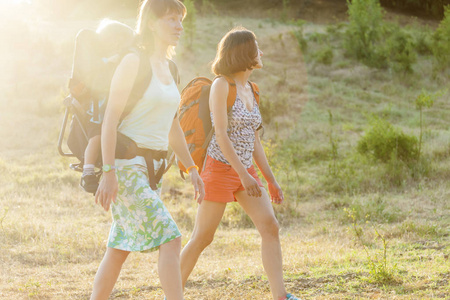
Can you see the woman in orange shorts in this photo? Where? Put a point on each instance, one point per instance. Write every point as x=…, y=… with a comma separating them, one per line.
x=229, y=174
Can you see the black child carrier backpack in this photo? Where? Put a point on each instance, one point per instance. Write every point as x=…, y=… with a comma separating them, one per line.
x=89, y=88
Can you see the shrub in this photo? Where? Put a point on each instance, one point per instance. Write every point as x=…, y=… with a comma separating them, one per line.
x=379, y=58
x=324, y=56
x=400, y=47
x=364, y=32
x=423, y=43
x=441, y=43
x=299, y=36
x=383, y=140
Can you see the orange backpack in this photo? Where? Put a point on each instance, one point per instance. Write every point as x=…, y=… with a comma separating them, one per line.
x=195, y=119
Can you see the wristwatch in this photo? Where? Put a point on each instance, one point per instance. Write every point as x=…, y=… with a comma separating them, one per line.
x=107, y=168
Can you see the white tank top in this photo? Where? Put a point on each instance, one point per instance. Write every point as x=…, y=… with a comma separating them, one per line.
x=149, y=122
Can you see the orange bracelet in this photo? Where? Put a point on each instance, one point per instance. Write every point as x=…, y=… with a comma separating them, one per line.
x=191, y=167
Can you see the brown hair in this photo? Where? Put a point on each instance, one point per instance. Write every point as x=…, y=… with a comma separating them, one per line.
x=236, y=52
x=151, y=10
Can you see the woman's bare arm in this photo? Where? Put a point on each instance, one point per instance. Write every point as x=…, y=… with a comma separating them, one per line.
x=178, y=144
x=121, y=87
x=276, y=194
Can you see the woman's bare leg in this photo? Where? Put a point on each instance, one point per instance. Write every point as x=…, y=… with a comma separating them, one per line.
x=108, y=272
x=260, y=210
x=92, y=150
x=208, y=218
x=169, y=269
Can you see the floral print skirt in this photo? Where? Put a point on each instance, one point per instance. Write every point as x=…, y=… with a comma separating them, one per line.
x=141, y=222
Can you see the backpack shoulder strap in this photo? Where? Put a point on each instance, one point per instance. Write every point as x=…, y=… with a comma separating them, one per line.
x=174, y=71
x=205, y=80
x=255, y=90
x=232, y=91
x=143, y=79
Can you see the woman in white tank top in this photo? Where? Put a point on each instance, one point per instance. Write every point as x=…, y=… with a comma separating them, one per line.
x=141, y=222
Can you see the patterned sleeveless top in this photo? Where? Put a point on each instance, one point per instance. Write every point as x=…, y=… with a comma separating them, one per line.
x=242, y=125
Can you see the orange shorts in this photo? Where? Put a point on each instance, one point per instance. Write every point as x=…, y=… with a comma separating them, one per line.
x=221, y=181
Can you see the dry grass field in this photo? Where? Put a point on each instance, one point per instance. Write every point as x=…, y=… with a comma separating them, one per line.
x=53, y=236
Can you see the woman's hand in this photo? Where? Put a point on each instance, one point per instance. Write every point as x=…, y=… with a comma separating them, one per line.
x=107, y=190
x=276, y=194
x=250, y=185
x=198, y=184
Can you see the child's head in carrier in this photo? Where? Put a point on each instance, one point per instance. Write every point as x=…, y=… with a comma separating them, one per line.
x=96, y=50
x=113, y=38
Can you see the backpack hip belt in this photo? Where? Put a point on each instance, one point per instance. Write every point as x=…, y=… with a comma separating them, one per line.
x=150, y=155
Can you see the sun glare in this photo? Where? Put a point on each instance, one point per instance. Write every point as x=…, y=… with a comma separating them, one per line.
x=15, y=1
x=15, y=9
